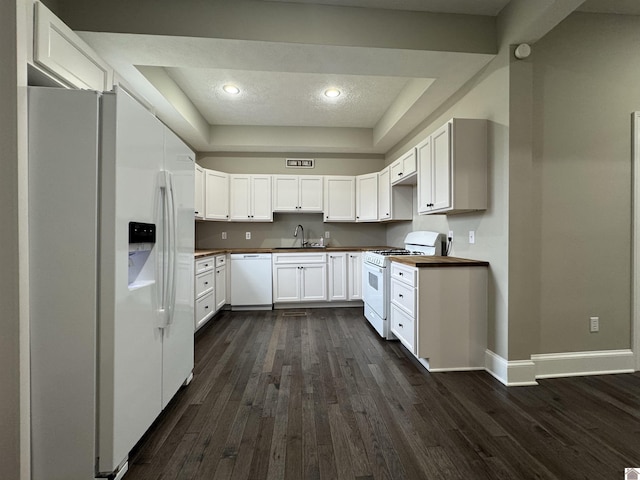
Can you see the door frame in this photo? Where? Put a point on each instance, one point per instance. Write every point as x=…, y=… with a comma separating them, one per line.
x=635, y=240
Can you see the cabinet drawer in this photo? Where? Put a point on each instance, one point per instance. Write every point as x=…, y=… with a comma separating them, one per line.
x=221, y=260
x=404, y=327
x=299, y=258
x=204, y=282
x=204, y=264
x=205, y=307
x=403, y=273
x=403, y=296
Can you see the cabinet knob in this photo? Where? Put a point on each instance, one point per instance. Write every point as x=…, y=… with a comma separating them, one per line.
x=400, y=295
x=400, y=273
x=206, y=283
x=206, y=307
x=401, y=325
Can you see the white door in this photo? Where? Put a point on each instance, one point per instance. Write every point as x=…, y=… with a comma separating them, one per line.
x=425, y=176
x=311, y=193
x=285, y=193
x=441, y=167
x=313, y=282
x=339, y=199
x=354, y=275
x=177, y=345
x=337, y=276
x=216, y=195
x=130, y=367
x=261, y=198
x=286, y=283
x=384, y=194
x=240, y=198
x=367, y=198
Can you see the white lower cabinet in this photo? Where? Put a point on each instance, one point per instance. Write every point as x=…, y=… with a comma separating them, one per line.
x=221, y=281
x=205, y=301
x=299, y=277
x=338, y=285
x=439, y=313
x=354, y=276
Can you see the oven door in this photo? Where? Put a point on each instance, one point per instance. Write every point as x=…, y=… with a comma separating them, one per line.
x=374, y=288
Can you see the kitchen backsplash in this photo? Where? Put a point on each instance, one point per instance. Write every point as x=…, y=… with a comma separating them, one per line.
x=280, y=232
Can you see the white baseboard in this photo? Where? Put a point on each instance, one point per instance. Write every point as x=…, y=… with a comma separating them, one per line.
x=514, y=373
x=574, y=364
x=553, y=365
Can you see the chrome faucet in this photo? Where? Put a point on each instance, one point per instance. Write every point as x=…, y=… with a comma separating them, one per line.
x=295, y=234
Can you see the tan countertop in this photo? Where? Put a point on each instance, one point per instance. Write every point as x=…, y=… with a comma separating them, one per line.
x=421, y=261
x=207, y=252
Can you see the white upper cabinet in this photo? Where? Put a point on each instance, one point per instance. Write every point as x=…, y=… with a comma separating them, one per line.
x=199, y=193
x=339, y=198
x=59, y=51
x=216, y=193
x=250, y=198
x=367, y=198
x=404, y=170
x=297, y=193
x=394, y=202
x=453, y=168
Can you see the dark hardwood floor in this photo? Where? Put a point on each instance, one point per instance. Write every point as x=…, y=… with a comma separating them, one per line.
x=320, y=396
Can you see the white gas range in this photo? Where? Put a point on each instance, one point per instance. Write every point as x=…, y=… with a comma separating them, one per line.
x=375, y=276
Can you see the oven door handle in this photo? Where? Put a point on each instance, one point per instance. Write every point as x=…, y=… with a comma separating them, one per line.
x=373, y=268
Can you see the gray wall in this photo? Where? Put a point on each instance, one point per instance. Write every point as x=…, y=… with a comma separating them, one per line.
x=280, y=232
x=9, y=273
x=586, y=84
x=486, y=96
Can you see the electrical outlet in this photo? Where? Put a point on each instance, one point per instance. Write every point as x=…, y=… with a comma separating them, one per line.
x=327, y=234
x=247, y=236
x=472, y=237
x=450, y=234
x=594, y=324
x=224, y=235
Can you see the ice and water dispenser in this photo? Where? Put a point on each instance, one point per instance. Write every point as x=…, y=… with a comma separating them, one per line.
x=142, y=239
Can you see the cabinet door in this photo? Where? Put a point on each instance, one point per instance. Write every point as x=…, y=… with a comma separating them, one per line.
x=337, y=276
x=261, y=198
x=339, y=199
x=403, y=170
x=199, y=193
x=354, y=275
x=384, y=194
x=425, y=176
x=221, y=287
x=311, y=193
x=216, y=194
x=441, y=167
x=367, y=198
x=240, y=198
x=286, y=283
x=313, y=282
x=285, y=193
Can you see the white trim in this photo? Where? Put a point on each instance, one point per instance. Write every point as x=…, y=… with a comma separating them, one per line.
x=514, y=373
x=573, y=364
x=635, y=241
x=425, y=364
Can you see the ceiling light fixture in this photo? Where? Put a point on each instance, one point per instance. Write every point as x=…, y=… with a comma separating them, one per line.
x=332, y=93
x=231, y=89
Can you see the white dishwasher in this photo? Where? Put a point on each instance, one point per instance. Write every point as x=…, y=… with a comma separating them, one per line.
x=251, y=285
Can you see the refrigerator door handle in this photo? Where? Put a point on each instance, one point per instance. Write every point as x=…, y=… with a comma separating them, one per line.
x=164, y=311
x=172, y=250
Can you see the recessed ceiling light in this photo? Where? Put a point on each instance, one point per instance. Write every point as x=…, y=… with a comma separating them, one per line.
x=332, y=93
x=231, y=89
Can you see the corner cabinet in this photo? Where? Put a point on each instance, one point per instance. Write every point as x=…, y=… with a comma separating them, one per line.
x=297, y=193
x=452, y=166
x=339, y=198
x=250, y=198
x=403, y=170
x=394, y=202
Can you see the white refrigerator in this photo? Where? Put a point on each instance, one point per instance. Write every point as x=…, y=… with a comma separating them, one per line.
x=111, y=228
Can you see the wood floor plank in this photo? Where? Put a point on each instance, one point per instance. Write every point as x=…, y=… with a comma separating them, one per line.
x=321, y=396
